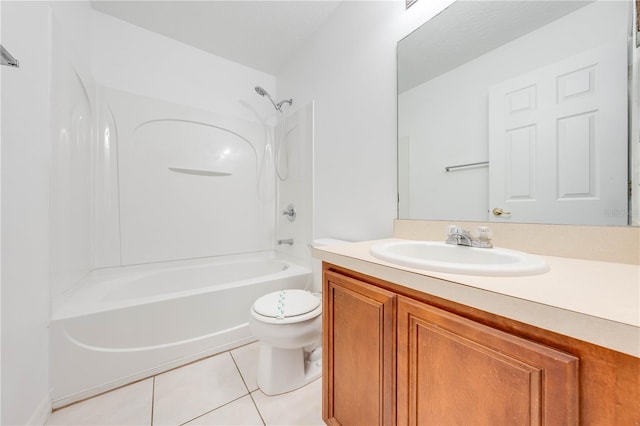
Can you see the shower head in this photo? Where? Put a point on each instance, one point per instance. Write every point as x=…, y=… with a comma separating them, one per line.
x=261, y=91
x=277, y=106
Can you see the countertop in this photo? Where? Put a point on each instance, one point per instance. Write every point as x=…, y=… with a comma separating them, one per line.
x=598, y=302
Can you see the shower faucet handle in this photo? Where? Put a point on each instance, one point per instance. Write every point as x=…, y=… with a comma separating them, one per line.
x=290, y=212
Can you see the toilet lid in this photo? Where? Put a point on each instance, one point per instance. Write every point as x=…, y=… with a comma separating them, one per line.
x=286, y=303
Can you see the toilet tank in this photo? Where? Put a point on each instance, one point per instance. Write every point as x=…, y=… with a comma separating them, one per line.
x=316, y=265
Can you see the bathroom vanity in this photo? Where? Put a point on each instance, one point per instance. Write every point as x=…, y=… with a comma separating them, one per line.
x=406, y=346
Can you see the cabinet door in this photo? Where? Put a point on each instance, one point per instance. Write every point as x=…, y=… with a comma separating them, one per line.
x=358, y=352
x=454, y=371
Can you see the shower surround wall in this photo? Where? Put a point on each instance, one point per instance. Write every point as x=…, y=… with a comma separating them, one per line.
x=163, y=214
x=73, y=115
x=190, y=181
x=129, y=115
x=293, y=150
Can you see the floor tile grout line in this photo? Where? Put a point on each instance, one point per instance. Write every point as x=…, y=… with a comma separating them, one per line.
x=214, y=409
x=240, y=372
x=153, y=389
x=196, y=361
x=255, y=404
x=247, y=387
x=153, y=398
x=234, y=400
x=142, y=379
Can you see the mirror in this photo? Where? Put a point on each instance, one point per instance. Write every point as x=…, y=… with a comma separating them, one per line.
x=518, y=111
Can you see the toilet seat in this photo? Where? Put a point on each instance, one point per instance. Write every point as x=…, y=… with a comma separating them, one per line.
x=286, y=307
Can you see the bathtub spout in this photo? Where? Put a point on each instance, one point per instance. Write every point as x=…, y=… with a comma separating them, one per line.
x=286, y=241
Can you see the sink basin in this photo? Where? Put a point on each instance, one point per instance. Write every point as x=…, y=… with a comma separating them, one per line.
x=442, y=257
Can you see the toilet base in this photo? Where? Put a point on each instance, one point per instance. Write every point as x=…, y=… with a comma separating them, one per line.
x=283, y=370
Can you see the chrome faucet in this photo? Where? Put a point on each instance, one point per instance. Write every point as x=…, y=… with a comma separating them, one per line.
x=290, y=212
x=458, y=236
x=286, y=241
x=461, y=237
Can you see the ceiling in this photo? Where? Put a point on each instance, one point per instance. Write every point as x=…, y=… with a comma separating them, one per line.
x=260, y=34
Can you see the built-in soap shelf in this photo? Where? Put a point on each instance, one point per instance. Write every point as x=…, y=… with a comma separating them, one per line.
x=199, y=172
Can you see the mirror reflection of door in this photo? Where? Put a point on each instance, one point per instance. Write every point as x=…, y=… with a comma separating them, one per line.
x=444, y=79
x=557, y=138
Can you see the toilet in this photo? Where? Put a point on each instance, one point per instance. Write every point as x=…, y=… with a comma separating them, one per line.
x=288, y=324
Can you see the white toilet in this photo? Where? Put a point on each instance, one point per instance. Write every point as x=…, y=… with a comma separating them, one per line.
x=288, y=324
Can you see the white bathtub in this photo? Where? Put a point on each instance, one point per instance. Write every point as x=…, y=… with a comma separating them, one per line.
x=124, y=324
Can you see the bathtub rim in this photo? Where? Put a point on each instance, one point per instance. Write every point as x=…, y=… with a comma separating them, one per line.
x=81, y=300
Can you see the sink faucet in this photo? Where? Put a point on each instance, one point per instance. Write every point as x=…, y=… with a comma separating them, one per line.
x=458, y=236
x=461, y=237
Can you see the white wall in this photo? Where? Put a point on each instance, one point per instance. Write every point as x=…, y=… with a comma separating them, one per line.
x=132, y=59
x=25, y=213
x=0, y=222
x=445, y=119
x=348, y=69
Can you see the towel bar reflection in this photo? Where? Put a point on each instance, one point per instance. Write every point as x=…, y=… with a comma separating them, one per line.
x=460, y=166
x=7, y=58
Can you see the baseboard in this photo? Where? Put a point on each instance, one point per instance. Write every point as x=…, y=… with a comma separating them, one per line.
x=41, y=413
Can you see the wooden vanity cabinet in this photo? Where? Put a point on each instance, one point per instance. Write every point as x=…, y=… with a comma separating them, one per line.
x=453, y=371
x=359, y=341
x=393, y=355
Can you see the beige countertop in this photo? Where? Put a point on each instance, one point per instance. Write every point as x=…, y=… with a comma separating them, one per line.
x=598, y=302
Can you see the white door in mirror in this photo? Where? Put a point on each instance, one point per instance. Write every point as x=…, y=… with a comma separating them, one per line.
x=548, y=130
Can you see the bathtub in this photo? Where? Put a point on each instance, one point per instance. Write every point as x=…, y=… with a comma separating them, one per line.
x=124, y=324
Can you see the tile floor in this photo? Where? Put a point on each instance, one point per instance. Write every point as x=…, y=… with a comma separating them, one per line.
x=219, y=390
